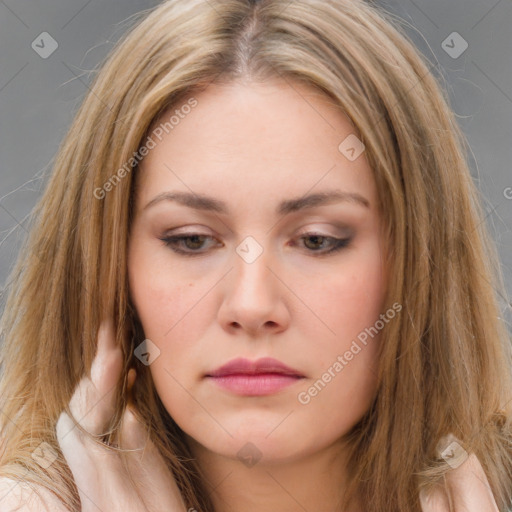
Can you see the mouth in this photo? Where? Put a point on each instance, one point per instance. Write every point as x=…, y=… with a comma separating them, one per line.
x=264, y=376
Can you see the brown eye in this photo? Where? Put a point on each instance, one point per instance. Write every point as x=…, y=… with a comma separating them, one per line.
x=187, y=244
x=322, y=244
x=196, y=241
x=315, y=241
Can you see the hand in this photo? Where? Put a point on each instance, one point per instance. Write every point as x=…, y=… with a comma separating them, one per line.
x=467, y=488
x=102, y=480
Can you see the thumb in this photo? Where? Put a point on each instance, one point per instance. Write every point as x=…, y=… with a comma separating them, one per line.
x=133, y=434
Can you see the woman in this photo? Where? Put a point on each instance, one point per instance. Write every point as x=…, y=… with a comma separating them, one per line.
x=262, y=231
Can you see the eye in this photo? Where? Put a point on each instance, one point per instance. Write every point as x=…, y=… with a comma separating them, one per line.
x=318, y=243
x=191, y=241
x=193, y=244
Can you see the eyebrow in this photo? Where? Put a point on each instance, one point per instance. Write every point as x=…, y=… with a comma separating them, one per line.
x=207, y=203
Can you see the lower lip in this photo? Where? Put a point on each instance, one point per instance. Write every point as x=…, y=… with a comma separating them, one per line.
x=255, y=385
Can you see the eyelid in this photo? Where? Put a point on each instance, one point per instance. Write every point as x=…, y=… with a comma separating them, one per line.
x=336, y=243
x=344, y=232
x=176, y=238
x=340, y=231
x=189, y=230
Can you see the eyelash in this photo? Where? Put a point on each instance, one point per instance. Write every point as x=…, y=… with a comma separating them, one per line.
x=173, y=241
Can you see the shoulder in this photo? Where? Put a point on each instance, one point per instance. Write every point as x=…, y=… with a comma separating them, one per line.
x=16, y=495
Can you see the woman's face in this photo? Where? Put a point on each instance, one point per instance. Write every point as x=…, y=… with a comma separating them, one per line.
x=269, y=266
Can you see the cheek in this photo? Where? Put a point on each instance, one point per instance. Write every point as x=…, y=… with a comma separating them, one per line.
x=174, y=313
x=344, y=381
x=345, y=301
x=154, y=303
x=349, y=305
x=169, y=310
x=160, y=297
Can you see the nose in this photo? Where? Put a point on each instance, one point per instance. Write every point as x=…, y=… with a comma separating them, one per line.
x=254, y=299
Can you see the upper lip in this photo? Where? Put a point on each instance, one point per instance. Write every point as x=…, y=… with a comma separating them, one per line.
x=247, y=367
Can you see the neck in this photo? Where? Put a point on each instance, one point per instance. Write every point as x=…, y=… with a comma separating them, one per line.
x=314, y=482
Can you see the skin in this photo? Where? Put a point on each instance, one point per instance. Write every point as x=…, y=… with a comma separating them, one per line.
x=103, y=478
x=253, y=146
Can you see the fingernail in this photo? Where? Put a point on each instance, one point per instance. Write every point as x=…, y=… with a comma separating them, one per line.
x=132, y=375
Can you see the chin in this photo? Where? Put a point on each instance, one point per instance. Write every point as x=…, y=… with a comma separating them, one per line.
x=258, y=444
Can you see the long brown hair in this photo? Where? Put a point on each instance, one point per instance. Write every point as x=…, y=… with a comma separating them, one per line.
x=445, y=364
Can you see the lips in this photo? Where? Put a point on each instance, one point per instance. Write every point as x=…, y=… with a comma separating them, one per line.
x=264, y=377
x=265, y=365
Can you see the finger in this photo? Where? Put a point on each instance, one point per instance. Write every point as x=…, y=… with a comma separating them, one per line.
x=93, y=402
x=149, y=470
x=467, y=488
x=63, y=429
x=470, y=488
x=434, y=501
x=78, y=450
x=107, y=365
x=133, y=435
x=97, y=472
x=130, y=379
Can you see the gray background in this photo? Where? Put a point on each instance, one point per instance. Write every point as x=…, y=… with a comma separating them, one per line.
x=38, y=96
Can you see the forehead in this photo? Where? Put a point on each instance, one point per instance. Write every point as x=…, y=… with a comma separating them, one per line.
x=263, y=138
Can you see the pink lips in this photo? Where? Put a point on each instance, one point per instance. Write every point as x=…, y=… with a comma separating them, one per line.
x=254, y=378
